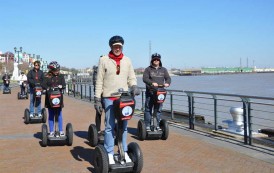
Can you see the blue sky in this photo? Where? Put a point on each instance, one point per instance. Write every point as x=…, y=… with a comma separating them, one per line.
x=187, y=33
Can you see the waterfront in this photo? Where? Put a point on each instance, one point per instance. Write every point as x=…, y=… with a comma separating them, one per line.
x=254, y=84
x=251, y=84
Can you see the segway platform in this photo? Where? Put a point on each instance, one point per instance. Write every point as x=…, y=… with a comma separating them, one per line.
x=7, y=91
x=22, y=96
x=118, y=167
x=35, y=118
x=67, y=139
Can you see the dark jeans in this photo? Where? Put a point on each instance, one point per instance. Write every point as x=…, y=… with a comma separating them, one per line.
x=23, y=89
x=150, y=105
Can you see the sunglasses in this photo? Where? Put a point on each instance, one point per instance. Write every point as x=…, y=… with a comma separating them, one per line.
x=37, y=65
x=156, y=60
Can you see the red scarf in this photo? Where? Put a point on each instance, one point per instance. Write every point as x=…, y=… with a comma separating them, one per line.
x=117, y=59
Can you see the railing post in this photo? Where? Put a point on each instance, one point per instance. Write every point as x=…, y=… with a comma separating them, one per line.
x=249, y=123
x=85, y=91
x=81, y=91
x=215, y=112
x=143, y=107
x=171, y=106
x=245, y=122
x=74, y=89
x=90, y=93
x=190, y=110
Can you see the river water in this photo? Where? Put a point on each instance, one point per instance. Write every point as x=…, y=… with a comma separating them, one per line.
x=253, y=84
x=250, y=84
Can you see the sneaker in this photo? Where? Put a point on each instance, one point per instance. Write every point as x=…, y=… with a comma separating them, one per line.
x=62, y=134
x=148, y=129
x=158, y=128
x=51, y=134
x=127, y=158
x=111, y=159
x=31, y=115
x=39, y=115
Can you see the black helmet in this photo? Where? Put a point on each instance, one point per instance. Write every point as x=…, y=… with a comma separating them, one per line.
x=116, y=39
x=156, y=55
x=54, y=66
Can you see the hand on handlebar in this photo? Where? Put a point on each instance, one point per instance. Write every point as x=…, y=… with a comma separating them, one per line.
x=60, y=86
x=98, y=105
x=135, y=91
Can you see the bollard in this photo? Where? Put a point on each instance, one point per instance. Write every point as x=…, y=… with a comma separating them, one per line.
x=237, y=116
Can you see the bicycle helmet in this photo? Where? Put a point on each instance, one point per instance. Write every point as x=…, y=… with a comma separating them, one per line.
x=116, y=40
x=54, y=66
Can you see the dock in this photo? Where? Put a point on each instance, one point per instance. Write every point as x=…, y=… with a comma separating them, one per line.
x=185, y=150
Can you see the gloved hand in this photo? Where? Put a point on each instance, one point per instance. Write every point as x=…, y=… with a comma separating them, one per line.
x=60, y=86
x=98, y=105
x=135, y=91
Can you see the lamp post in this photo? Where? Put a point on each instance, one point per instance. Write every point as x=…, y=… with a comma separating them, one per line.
x=15, y=64
x=15, y=50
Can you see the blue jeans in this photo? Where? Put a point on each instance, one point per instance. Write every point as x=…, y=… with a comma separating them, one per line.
x=149, y=106
x=32, y=100
x=51, y=119
x=6, y=87
x=109, y=127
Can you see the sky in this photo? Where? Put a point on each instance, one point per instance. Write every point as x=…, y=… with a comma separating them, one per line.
x=187, y=33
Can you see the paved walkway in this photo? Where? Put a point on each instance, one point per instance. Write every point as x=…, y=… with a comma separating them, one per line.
x=184, y=151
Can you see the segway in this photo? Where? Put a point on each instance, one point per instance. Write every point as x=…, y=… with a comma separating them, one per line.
x=123, y=110
x=7, y=89
x=159, y=95
x=56, y=101
x=23, y=95
x=37, y=95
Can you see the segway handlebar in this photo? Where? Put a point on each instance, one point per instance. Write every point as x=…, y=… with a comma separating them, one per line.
x=121, y=92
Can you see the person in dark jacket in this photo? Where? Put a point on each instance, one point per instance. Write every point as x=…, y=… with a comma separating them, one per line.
x=6, y=81
x=35, y=78
x=54, y=79
x=154, y=75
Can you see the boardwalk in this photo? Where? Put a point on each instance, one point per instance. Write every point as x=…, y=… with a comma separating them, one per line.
x=184, y=151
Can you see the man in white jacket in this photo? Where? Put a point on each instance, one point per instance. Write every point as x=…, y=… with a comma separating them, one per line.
x=115, y=71
x=23, y=83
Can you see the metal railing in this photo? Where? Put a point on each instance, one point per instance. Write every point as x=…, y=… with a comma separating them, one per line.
x=203, y=108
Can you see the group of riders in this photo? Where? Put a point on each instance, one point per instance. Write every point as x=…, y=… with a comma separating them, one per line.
x=114, y=71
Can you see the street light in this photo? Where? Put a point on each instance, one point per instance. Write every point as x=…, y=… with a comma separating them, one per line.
x=15, y=50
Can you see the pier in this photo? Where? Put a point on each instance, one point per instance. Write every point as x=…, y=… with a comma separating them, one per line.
x=186, y=150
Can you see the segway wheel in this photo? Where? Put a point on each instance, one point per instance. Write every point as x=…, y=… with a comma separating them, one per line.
x=26, y=116
x=18, y=95
x=44, y=135
x=69, y=133
x=101, y=159
x=165, y=129
x=44, y=115
x=92, y=135
x=136, y=156
x=141, y=130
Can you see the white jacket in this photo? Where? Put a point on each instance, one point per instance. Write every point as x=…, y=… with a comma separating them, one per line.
x=22, y=79
x=108, y=81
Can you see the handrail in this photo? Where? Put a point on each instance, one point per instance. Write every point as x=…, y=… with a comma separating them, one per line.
x=212, y=108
